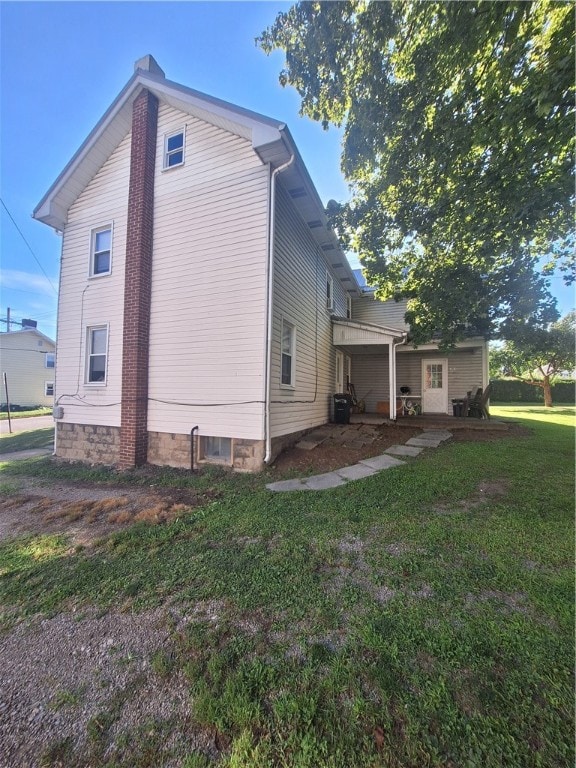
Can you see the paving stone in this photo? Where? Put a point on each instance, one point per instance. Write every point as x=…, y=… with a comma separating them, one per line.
x=423, y=442
x=404, y=450
x=438, y=434
x=355, y=472
x=382, y=462
x=287, y=485
x=308, y=445
x=321, y=482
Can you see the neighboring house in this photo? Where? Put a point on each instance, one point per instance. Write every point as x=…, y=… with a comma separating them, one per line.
x=28, y=358
x=201, y=289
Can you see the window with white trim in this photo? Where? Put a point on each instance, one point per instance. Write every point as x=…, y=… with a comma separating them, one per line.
x=97, y=354
x=217, y=449
x=49, y=388
x=174, y=149
x=348, y=306
x=50, y=360
x=101, y=251
x=329, y=291
x=287, y=354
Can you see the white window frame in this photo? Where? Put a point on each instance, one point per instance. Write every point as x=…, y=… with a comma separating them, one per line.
x=349, y=306
x=215, y=458
x=167, y=153
x=52, y=356
x=93, y=252
x=291, y=353
x=89, y=355
x=329, y=291
x=46, y=385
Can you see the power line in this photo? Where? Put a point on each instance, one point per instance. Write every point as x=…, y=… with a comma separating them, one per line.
x=29, y=246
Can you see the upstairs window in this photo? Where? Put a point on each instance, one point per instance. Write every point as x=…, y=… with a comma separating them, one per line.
x=174, y=149
x=101, y=251
x=329, y=291
x=288, y=336
x=50, y=359
x=97, y=355
x=348, y=306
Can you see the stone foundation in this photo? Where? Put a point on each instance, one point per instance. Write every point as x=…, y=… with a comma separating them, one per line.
x=88, y=442
x=101, y=445
x=173, y=450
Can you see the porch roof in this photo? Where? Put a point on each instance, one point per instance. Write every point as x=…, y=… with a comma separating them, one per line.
x=346, y=332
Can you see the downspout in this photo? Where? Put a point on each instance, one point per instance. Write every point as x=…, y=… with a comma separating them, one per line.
x=393, y=372
x=271, y=231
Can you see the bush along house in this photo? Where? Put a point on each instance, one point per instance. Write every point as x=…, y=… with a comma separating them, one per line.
x=206, y=310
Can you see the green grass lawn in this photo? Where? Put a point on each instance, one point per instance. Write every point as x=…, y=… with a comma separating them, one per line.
x=421, y=617
x=22, y=441
x=26, y=414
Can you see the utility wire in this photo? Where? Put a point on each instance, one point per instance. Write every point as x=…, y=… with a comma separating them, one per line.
x=29, y=246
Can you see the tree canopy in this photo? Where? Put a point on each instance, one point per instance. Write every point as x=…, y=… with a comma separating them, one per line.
x=538, y=355
x=458, y=145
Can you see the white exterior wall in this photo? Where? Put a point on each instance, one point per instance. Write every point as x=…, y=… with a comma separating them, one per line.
x=87, y=301
x=208, y=311
x=300, y=297
x=368, y=309
x=23, y=359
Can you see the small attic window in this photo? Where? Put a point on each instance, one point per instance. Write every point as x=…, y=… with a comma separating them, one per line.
x=174, y=149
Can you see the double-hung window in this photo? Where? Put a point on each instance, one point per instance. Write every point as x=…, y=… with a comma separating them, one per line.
x=97, y=354
x=49, y=360
x=49, y=388
x=329, y=291
x=101, y=251
x=287, y=354
x=174, y=149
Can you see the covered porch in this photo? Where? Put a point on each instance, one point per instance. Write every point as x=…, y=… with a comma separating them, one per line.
x=381, y=365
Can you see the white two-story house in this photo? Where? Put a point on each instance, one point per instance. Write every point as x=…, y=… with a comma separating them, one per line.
x=206, y=310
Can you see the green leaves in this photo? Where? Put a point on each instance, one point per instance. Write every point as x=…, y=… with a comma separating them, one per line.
x=458, y=145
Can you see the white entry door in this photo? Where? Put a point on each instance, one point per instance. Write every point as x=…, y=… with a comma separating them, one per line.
x=435, y=386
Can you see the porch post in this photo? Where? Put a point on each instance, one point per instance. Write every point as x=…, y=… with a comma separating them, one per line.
x=392, y=378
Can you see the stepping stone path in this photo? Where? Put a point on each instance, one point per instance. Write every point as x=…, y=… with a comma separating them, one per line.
x=430, y=438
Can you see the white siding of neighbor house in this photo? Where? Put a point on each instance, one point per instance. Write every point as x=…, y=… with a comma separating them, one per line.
x=300, y=297
x=23, y=360
x=208, y=311
x=85, y=301
x=367, y=309
x=370, y=373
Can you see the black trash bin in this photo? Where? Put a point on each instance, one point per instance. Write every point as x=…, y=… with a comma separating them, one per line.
x=342, y=405
x=458, y=407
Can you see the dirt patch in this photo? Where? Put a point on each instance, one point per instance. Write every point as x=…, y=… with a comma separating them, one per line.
x=85, y=683
x=87, y=512
x=487, y=490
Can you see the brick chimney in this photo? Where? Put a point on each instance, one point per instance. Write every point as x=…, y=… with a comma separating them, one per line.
x=138, y=276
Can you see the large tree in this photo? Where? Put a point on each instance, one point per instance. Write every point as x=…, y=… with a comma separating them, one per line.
x=458, y=145
x=537, y=355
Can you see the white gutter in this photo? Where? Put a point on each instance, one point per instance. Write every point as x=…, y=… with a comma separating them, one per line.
x=271, y=230
x=392, y=374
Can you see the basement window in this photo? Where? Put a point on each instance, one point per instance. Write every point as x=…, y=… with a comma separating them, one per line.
x=174, y=149
x=217, y=449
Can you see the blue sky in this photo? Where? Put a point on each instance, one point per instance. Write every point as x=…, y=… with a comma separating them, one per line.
x=63, y=63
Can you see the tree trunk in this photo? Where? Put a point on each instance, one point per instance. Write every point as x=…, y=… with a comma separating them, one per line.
x=547, y=392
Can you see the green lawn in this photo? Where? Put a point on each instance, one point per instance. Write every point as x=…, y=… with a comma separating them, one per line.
x=421, y=617
x=22, y=441
x=26, y=414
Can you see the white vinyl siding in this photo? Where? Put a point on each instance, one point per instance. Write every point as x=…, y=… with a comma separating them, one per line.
x=23, y=355
x=85, y=302
x=367, y=309
x=208, y=310
x=300, y=286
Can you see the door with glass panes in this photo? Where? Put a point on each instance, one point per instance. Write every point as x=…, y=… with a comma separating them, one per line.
x=435, y=386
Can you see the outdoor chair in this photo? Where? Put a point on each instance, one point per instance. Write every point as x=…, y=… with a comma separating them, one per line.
x=478, y=404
